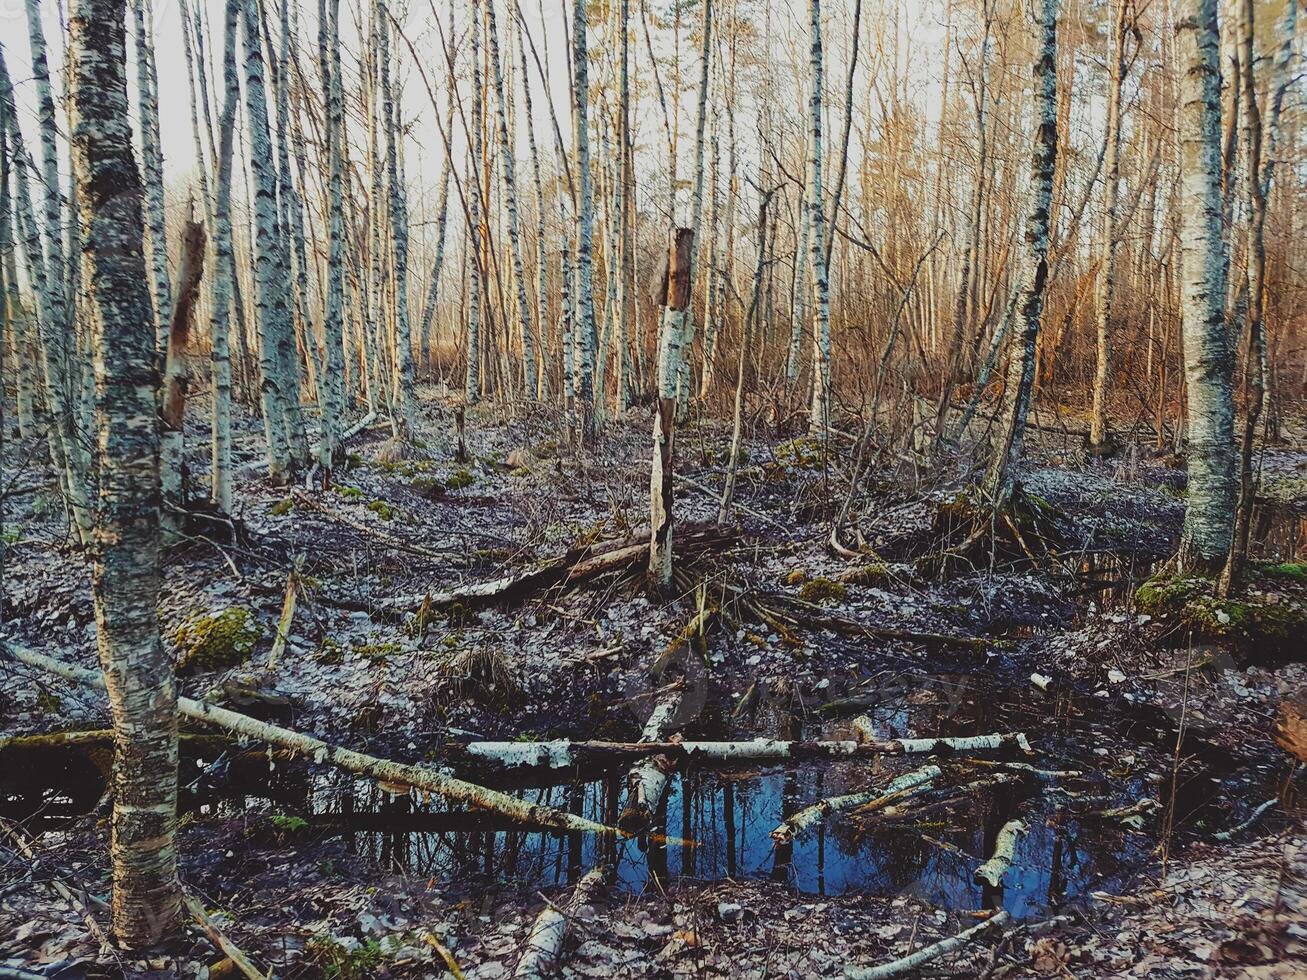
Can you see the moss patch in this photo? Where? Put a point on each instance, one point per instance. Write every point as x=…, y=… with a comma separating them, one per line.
x=282, y=507
x=1267, y=623
x=800, y=454
x=796, y=577
x=872, y=573
x=1294, y=570
x=823, y=590
x=381, y=509
x=216, y=642
x=460, y=479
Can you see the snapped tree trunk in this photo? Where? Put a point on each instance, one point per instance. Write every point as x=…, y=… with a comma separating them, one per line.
x=138, y=673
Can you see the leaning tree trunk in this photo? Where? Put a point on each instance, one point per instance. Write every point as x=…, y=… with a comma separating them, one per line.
x=1209, y=516
x=1099, y=438
x=138, y=673
x=1021, y=349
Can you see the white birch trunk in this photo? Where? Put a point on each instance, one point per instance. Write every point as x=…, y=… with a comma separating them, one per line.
x=1209, y=516
x=137, y=671
x=819, y=414
x=152, y=170
x=584, y=327
x=1021, y=350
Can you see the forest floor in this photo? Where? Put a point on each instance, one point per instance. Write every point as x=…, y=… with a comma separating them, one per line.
x=1171, y=726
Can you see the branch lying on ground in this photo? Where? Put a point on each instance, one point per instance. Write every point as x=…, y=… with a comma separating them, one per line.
x=544, y=944
x=934, y=951
x=394, y=772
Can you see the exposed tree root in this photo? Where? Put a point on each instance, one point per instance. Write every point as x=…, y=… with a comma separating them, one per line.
x=969, y=533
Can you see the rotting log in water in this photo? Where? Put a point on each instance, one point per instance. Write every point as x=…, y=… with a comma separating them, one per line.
x=906, y=785
x=564, y=753
x=1005, y=847
x=647, y=781
x=544, y=944
x=417, y=777
x=924, y=955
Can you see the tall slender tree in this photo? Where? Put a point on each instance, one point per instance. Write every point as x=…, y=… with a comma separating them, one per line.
x=1209, y=516
x=138, y=673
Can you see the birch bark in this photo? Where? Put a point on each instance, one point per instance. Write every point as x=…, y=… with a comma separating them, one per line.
x=138, y=674
x=1209, y=516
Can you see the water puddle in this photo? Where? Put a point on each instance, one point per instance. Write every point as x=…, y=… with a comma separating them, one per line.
x=729, y=815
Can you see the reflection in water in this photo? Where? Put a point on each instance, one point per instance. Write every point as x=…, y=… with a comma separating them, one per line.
x=731, y=817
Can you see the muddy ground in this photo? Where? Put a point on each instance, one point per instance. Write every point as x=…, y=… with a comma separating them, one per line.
x=315, y=873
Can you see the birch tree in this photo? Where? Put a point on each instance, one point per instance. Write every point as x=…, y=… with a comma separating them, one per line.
x=138, y=674
x=224, y=271
x=1021, y=348
x=278, y=360
x=1209, y=516
x=333, y=321
x=584, y=326
x=819, y=415
x=152, y=169
x=1099, y=439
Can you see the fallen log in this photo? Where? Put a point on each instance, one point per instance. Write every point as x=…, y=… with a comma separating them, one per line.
x=417, y=777
x=647, y=781
x=905, y=785
x=866, y=732
x=544, y=944
x=1005, y=846
x=569, y=570
x=906, y=964
x=563, y=753
x=1252, y=819
x=219, y=939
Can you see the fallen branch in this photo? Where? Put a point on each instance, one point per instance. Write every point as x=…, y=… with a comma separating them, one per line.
x=934, y=951
x=219, y=939
x=1005, y=848
x=19, y=840
x=905, y=785
x=283, y=624
x=417, y=777
x=865, y=729
x=544, y=944
x=1252, y=819
x=563, y=753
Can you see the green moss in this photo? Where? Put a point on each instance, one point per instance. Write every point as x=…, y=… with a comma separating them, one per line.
x=802, y=454
x=337, y=962
x=1287, y=569
x=348, y=492
x=1266, y=622
x=353, y=461
x=48, y=703
x=460, y=479
x=520, y=472
x=823, y=590
x=1159, y=596
x=282, y=507
x=796, y=576
x=216, y=642
x=330, y=652
x=872, y=573
x=287, y=824
x=381, y=509
x=375, y=651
